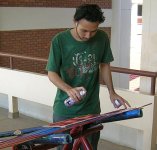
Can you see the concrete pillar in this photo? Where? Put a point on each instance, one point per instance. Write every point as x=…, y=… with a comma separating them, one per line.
x=13, y=107
x=149, y=137
x=154, y=126
x=120, y=39
x=149, y=42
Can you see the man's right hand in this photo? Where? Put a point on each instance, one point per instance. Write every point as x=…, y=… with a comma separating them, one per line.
x=74, y=93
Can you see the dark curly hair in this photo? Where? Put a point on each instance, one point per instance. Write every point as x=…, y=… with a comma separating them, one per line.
x=90, y=12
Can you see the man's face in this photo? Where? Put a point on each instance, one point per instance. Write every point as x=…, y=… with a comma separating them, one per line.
x=86, y=29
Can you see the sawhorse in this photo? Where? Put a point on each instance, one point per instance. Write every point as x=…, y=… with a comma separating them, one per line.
x=78, y=134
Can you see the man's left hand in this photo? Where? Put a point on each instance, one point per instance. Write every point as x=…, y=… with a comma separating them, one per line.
x=118, y=101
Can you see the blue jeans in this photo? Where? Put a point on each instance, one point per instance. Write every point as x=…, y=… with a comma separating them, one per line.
x=93, y=139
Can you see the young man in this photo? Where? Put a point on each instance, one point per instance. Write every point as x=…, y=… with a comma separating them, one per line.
x=73, y=65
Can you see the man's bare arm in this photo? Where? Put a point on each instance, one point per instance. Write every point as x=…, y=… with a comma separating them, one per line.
x=72, y=92
x=106, y=77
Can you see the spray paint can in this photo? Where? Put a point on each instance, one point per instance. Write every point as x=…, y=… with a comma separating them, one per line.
x=69, y=101
x=118, y=103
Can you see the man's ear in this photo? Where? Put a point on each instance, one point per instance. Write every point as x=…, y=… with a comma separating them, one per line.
x=75, y=22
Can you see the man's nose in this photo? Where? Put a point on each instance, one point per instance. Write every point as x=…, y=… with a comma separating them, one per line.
x=88, y=35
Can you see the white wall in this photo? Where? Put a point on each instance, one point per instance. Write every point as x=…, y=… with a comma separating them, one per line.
x=134, y=133
x=34, y=89
x=24, y=18
x=25, y=86
x=3, y=100
x=29, y=108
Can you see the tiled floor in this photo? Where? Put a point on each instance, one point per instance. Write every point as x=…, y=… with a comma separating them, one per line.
x=25, y=122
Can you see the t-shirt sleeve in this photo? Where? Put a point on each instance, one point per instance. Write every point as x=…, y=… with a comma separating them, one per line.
x=54, y=60
x=107, y=55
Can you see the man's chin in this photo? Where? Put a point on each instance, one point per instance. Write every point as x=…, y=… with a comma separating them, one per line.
x=84, y=39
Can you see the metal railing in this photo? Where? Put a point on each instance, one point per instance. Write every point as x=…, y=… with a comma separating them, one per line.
x=11, y=56
x=152, y=75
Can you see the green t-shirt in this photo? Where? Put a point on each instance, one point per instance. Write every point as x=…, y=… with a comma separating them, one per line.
x=77, y=62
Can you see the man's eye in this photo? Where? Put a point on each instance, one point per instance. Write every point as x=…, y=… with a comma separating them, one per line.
x=84, y=31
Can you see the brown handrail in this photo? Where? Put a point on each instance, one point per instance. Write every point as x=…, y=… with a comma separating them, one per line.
x=134, y=71
x=11, y=56
x=150, y=74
